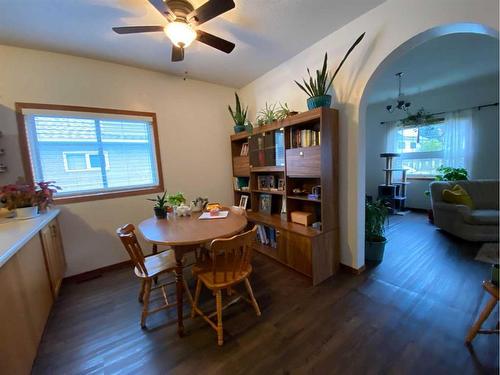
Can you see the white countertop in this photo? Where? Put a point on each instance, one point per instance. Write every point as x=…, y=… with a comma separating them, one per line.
x=14, y=234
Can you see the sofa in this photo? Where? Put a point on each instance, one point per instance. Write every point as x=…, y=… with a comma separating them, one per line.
x=477, y=224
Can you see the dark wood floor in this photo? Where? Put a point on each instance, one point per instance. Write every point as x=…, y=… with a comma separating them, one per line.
x=408, y=315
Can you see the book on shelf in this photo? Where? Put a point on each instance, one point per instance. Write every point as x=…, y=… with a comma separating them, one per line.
x=267, y=236
x=244, y=149
x=304, y=138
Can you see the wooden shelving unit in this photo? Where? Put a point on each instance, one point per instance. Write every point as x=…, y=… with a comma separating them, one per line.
x=278, y=150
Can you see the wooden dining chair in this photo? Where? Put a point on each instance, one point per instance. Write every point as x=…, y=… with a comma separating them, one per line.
x=477, y=326
x=148, y=268
x=229, y=264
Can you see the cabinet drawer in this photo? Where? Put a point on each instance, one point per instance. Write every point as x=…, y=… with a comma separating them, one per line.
x=303, y=162
x=241, y=166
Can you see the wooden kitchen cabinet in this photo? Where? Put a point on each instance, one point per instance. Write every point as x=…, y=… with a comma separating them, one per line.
x=54, y=255
x=30, y=278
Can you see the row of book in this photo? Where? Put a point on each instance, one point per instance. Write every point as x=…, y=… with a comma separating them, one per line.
x=304, y=138
x=267, y=236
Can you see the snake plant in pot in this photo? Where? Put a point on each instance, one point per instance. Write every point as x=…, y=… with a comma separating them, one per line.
x=376, y=213
x=317, y=87
x=160, y=207
x=239, y=115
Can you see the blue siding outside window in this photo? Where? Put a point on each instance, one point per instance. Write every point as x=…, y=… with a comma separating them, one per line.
x=92, y=155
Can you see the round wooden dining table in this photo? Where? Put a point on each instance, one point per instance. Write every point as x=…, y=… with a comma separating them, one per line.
x=185, y=234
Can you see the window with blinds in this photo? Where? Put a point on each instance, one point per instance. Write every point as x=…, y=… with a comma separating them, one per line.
x=89, y=153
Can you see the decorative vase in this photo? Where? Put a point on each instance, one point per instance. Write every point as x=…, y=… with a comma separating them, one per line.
x=26, y=212
x=160, y=213
x=249, y=128
x=319, y=101
x=375, y=250
x=239, y=128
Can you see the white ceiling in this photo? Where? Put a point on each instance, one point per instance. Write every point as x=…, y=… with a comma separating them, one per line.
x=440, y=62
x=266, y=33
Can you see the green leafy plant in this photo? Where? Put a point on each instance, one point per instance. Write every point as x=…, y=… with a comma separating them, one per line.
x=450, y=174
x=160, y=201
x=321, y=83
x=267, y=115
x=376, y=213
x=176, y=199
x=283, y=111
x=239, y=114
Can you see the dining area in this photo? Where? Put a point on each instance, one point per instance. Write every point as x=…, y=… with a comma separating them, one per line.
x=213, y=247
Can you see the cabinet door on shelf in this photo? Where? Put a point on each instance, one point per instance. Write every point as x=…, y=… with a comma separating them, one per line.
x=54, y=255
x=304, y=162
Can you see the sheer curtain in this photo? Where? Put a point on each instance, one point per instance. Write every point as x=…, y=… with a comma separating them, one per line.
x=458, y=143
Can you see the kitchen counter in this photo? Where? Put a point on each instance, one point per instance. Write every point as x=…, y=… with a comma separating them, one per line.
x=14, y=234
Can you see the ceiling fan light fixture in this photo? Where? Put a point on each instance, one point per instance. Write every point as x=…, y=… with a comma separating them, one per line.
x=180, y=33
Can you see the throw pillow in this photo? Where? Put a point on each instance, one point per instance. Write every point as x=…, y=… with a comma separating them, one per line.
x=458, y=195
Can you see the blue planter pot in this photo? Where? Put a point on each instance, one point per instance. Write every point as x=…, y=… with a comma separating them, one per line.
x=239, y=128
x=375, y=250
x=319, y=101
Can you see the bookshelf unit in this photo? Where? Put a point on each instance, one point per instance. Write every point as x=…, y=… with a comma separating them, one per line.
x=285, y=161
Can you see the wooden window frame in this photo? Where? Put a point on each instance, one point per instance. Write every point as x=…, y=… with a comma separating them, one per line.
x=26, y=159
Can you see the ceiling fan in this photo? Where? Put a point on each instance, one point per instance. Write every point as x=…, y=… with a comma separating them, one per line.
x=183, y=21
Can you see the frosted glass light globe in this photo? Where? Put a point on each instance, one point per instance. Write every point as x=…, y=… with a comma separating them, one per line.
x=180, y=33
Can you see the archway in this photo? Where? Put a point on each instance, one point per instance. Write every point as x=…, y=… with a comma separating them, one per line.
x=397, y=53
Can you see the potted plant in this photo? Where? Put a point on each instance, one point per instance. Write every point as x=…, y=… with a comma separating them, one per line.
x=317, y=88
x=239, y=115
x=176, y=200
x=198, y=204
x=160, y=208
x=376, y=213
x=447, y=174
x=28, y=199
x=267, y=115
x=283, y=111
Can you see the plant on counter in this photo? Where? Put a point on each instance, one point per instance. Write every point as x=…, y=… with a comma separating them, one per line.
x=239, y=115
x=28, y=199
x=376, y=213
x=317, y=88
x=160, y=207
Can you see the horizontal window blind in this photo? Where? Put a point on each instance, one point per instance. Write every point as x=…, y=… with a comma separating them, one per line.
x=92, y=153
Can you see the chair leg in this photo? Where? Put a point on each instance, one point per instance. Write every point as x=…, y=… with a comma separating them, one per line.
x=252, y=298
x=482, y=317
x=145, y=305
x=220, y=333
x=196, y=298
x=141, y=292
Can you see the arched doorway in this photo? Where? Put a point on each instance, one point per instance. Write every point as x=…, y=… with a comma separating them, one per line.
x=404, y=48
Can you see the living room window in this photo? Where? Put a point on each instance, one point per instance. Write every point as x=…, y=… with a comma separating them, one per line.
x=426, y=147
x=91, y=153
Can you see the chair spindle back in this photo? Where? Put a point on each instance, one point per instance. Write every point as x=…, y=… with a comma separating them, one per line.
x=232, y=256
x=129, y=240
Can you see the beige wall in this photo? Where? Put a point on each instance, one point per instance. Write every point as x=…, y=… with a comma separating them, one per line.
x=387, y=27
x=192, y=118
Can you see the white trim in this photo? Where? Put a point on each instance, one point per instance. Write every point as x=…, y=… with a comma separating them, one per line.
x=87, y=154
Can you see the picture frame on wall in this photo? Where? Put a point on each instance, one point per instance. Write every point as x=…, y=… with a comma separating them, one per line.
x=243, y=201
x=265, y=203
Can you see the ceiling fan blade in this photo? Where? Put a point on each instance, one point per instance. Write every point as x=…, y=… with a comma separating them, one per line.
x=162, y=7
x=177, y=53
x=209, y=10
x=137, y=29
x=214, y=41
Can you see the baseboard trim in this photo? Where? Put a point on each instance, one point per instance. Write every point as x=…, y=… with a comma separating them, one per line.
x=352, y=270
x=94, y=274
